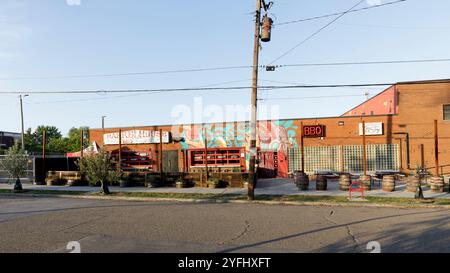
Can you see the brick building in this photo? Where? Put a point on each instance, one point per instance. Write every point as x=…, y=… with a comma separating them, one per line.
x=399, y=135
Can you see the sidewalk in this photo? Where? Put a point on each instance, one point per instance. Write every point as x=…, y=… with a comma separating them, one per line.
x=279, y=187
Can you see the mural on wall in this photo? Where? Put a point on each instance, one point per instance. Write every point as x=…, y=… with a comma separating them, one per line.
x=276, y=136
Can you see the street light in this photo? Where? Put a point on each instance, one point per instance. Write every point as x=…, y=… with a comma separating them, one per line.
x=21, y=116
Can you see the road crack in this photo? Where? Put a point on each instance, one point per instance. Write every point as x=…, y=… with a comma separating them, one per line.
x=240, y=235
x=347, y=227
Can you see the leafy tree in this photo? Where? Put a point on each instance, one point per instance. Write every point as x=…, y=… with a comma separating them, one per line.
x=51, y=132
x=74, y=139
x=98, y=169
x=15, y=163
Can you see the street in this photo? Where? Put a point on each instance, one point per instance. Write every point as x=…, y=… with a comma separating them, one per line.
x=30, y=224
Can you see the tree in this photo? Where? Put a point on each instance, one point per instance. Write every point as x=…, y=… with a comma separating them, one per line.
x=74, y=139
x=15, y=163
x=98, y=169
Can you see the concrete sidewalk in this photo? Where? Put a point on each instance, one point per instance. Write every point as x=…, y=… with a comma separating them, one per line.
x=265, y=187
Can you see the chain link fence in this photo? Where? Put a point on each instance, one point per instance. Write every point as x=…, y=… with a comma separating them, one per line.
x=28, y=177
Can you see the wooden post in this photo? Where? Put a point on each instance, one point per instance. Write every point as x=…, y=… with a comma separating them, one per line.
x=206, y=153
x=160, y=157
x=436, y=147
x=81, y=143
x=302, y=147
x=119, y=164
x=44, y=140
x=81, y=148
x=364, y=148
x=422, y=156
x=342, y=159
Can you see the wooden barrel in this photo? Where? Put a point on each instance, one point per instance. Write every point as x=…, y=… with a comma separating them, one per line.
x=437, y=184
x=366, y=181
x=344, y=182
x=388, y=183
x=301, y=179
x=321, y=183
x=413, y=183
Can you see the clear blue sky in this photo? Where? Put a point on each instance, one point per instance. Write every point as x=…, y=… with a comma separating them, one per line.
x=51, y=38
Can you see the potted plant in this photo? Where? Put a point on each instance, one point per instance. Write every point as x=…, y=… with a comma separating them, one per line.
x=180, y=183
x=214, y=183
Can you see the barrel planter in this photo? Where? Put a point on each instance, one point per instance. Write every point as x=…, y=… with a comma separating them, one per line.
x=301, y=179
x=321, y=183
x=437, y=184
x=366, y=181
x=388, y=183
x=413, y=183
x=344, y=182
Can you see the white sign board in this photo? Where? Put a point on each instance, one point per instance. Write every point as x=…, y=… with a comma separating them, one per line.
x=372, y=129
x=135, y=137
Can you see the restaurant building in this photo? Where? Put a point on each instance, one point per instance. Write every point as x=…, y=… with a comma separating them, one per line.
x=399, y=130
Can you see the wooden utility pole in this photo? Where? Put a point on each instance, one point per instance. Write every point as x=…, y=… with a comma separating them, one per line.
x=206, y=153
x=302, y=147
x=364, y=148
x=119, y=164
x=252, y=168
x=44, y=140
x=436, y=147
x=160, y=157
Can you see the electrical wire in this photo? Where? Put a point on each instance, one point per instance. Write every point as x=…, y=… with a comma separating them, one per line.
x=316, y=32
x=339, y=13
x=234, y=88
x=230, y=68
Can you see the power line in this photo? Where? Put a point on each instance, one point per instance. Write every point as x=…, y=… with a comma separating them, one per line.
x=312, y=97
x=231, y=68
x=234, y=88
x=339, y=13
x=130, y=74
x=365, y=63
x=317, y=32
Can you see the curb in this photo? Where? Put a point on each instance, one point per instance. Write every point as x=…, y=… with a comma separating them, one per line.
x=229, y=201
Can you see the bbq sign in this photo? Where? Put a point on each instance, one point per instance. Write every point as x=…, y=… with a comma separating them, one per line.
x=313, y=131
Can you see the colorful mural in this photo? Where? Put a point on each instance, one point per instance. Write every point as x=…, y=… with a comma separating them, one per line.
x=276, y=136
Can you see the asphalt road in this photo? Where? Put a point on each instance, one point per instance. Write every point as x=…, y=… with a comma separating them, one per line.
x=47, y=224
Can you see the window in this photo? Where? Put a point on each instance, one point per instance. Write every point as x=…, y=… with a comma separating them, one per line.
x=447, y=112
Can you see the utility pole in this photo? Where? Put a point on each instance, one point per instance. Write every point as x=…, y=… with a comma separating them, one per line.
x=21, y=117
x=265, y=37
x=252, y=169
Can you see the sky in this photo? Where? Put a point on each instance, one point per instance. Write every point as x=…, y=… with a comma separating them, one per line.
x=44, y=41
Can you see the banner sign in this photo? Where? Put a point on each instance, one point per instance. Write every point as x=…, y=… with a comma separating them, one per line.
x=372, y=129
x=136, y=137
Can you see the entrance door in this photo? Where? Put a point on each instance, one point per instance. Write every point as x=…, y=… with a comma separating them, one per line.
x=170, y=162
x=282, y=162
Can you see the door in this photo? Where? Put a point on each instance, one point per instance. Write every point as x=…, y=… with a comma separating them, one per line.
x=170, y=162
x=282, y=165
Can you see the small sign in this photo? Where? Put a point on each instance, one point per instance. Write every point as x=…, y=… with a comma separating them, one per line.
x=136, y=137
x=314, y=131
x=372, y=129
